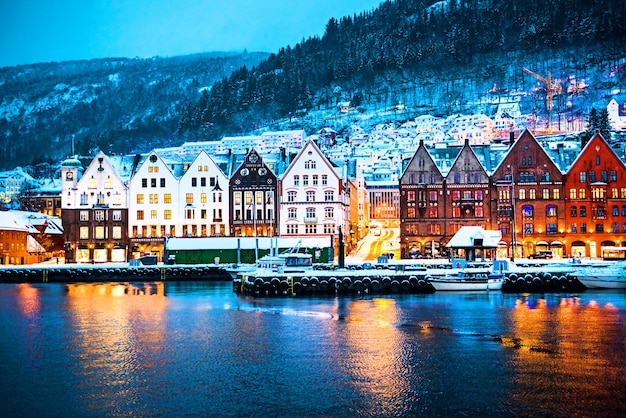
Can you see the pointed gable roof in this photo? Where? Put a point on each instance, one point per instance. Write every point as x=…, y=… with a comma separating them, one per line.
x=311, y=146
x=467, y=150
x=421, y=154
x=526, y=138
x=599, y=144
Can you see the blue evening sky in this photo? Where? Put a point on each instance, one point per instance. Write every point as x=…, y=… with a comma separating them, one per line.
x=34, y=31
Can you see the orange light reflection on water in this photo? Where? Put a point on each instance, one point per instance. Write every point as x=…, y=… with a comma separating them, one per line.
x=374, y=352
x=566, y=347
x=118, y=327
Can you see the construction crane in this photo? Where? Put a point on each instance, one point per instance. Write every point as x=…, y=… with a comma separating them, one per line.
x=551, y=90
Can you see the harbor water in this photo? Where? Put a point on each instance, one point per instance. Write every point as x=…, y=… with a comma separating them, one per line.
x=164, y=349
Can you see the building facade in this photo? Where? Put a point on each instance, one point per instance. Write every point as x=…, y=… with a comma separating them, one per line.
x=313, y=196
x=253, y=206
x=95, y=210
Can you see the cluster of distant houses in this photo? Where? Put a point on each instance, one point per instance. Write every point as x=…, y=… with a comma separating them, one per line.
x=284, y=183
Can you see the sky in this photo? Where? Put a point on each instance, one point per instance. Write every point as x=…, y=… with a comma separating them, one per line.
x=33, y=31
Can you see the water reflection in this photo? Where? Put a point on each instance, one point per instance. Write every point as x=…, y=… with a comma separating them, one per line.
x=569, y=347
x=118, y=331
x=373, y=352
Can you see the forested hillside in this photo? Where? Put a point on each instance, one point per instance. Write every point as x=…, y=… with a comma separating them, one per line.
x=435, y=56
x=119, y=105
x=412, y=56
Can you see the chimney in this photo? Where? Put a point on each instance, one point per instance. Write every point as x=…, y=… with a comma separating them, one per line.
x=511, y=138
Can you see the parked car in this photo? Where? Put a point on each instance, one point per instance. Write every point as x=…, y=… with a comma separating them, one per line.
x=545, y=254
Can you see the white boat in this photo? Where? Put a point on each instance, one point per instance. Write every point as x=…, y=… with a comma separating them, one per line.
x=468, y=279
x=603, y=276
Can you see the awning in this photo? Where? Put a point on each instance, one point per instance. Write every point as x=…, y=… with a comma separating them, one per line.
x=555, y=243
x=542, y=243
x=502, y=243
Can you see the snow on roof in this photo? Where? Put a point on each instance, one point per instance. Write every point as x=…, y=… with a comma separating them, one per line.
x=466, y=236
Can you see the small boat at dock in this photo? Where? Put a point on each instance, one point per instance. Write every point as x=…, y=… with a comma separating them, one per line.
x=603, y=276
x=468, y=279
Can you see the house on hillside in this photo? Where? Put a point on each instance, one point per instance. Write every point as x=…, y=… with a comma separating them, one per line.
x=617, y=115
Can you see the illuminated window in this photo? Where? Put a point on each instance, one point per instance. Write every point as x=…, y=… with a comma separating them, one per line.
x=91, y=183
x=189, y=198
x=140, y=199
x=167, y=214
x=84, y=232
x=117, y=232
x=140, y=215
x=84, y=215
x=108, y=183
x=153, y=214
x=203, y=197
x=167, y=198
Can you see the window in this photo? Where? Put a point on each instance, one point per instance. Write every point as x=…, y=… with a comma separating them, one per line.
x=324, y=180
x=162, y=182
x=144, y=183
x=615, y=227
x=309, y=165
x=292, y=213
x=478, y=195
x=315, y=179
x=202, y=181
x=551, y=211
x=305, y=180
x=202, y=197
x=291, y=196
x=189, y=198
x=527, y=211
x=167, y=198
x=329, y=213
x=600, y=228
x=296, y=180
x=108, y=183
x=329, y=196
x=310, y=213
x=310, y=229
x=117, y=232
x=572, y=193
x=556, y=194
x=623, y=210
x=573, y=212
x=92, y=183
x=202, y=213
x=329, y=228
x=573, y=228
x=153, y=214
x=582, y=193
x=432, y=212
x=154, y=198
x=532, y=194
x=84, y=232
x=592, y=176
x=456, y=212
x=456, y=195
x=84, y=199
x=583, y=176
x=613, y=175
x=432, y=196
x=522, y=194
x=410, y=196
x=99, y=215
x=529, y=228
x=140, y=199
x=117, y=215
x=583, y=211
x=84, y=215
x=310, y=196
x=615, y=211
x=167, y=214
x=551, y=229
x=292, y=229
x=546, y=194
x=140, y=215
x=194, y=182
x=153, y=182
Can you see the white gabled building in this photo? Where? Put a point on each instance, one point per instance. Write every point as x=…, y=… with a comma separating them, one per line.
x=203, y=201
x=314, y=201
x=153, y=206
